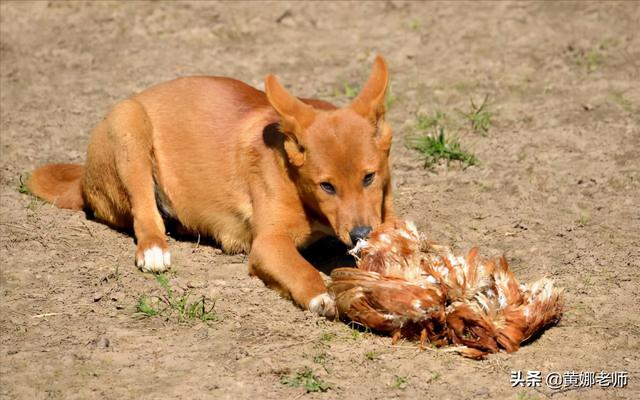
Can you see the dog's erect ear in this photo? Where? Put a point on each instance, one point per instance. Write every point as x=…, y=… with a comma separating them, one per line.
x=295, y=117
x=370, y=101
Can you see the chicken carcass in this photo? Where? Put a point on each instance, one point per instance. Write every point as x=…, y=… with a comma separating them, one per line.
x=409, y=287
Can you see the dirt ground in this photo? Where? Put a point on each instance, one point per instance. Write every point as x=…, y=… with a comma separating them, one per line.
x=556, y=188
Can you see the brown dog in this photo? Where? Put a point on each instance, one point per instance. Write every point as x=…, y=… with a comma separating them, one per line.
x=261, y=172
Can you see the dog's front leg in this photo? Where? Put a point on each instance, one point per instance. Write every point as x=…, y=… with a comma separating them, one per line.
x=275, y=259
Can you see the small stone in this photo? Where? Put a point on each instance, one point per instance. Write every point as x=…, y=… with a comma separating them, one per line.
x=117, y=296
x=103, y=343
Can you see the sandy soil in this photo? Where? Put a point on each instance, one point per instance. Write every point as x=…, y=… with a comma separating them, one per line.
x=556, y=189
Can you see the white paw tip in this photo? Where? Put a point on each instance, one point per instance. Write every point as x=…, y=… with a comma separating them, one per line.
x=154, y=260
x=323, y=305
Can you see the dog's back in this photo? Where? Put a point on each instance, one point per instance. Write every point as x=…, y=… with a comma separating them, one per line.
x=203, y=132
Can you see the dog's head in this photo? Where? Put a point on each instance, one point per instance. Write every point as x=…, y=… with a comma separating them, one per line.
x=338, y=158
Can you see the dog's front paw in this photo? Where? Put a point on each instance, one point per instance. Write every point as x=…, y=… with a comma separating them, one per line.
x=153, y=259
x=323, y=305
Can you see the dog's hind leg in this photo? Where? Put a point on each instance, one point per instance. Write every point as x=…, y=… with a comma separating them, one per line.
x=125, y=140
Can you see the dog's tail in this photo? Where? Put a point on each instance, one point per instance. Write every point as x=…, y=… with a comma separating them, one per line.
x=59, y=184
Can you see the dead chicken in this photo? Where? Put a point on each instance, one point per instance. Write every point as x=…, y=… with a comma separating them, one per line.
x=408, y=287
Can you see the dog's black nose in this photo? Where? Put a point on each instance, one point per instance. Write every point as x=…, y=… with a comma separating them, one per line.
x=359, y=232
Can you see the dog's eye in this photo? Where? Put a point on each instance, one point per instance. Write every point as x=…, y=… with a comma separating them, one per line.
x=327, y=187
x=368, y=179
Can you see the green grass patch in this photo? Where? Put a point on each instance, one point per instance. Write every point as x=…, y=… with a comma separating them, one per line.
x=307, y=379
x=480, y=116
x=181, y=306
x=591, y=60
x=434, y=148
x=323, y=359
x=145, y=308
x=350, y=91
x=372, y=355
x=425, y=122
x=400, y=382
x=23, y=188
x=358, y=331
x=584, y=219
x=327, y=337
x=526, y=396
x=35, y=204
x=618, y=98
